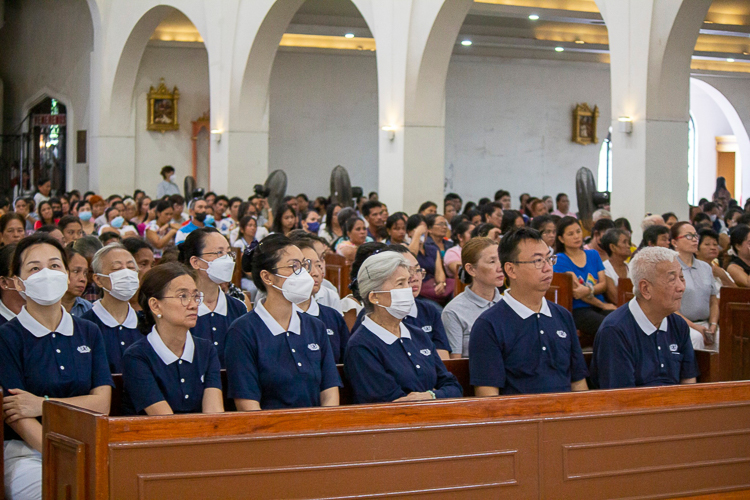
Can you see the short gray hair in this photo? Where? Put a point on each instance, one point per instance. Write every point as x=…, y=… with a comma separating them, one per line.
x=96, y=262
x=87, y=246
x=652, y=220
x=601, y=214
x=643, y=265
x=375, y=271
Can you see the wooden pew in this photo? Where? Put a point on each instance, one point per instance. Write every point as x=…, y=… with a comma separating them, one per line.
x=655, y=442
x=708, y=364
x=561, y=290
x=734, y=334
x=624, y=291
x=237, y=273
x=460, y=287
x=337, y=272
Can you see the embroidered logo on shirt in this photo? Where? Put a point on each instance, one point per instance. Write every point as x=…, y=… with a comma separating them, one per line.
x=329, y=331
x=561, y=334
x=427, y=328
x=313, y=347
x=203, y=378
x=84, y=349
x=673, y=348
x=426, y=352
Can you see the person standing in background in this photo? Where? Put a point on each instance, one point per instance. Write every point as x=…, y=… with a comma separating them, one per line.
x=167, y=187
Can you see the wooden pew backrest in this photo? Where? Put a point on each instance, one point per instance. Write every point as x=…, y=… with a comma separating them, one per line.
x=337, y=272
x=460, y=287
x=624, y=291
x=708, y=364
x=237, y=273
x=561, y=290
x=734, y=337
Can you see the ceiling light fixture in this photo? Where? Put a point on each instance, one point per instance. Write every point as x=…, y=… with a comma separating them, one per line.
x=349, y=35
x=559, y=49
x=466, y=43
x=533, y=17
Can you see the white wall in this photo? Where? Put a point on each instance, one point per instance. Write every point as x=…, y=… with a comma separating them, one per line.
x=509, y=125
x=709, y=123
x=323, y=113
x=186, y=67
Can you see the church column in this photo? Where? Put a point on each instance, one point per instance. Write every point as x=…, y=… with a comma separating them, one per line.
x=651, y=43
x=414, y=40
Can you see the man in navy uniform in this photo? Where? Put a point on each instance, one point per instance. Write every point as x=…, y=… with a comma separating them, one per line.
x=644, y=343
x=523, y=344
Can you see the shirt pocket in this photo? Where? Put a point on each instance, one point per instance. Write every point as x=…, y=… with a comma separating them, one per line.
x=523, y=360
x=675, y=365
x=561, y=355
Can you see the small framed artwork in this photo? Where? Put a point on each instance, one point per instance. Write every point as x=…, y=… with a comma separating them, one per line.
x=584, y=124
x=162, y=108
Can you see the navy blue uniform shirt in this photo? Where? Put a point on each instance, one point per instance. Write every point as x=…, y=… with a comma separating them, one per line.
x=67, y=362
x=5, y=314
x=428, y=260
x=279, y=368
x=117, y=337
x=523, y=352
x=425, y=315
x=338, y=332
x=153, y=373
x=629, y=351
x=213, y=325
x=381, y=367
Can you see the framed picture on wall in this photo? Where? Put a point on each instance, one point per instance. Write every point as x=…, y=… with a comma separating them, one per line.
x=584, y=124
x=162, y=108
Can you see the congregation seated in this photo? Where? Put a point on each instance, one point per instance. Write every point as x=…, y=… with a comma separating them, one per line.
x=45, y=353
x=170, y=370
x=386, y=360
x=708, y=252
x=589, y=285
x=482, y=271
x=524, y=344
x=616, y=243
x=644, y=342
x=436, y=286
x=655, y=236
x=739, y=266
x=600, y=227
x=460, y=234
x=355, y=234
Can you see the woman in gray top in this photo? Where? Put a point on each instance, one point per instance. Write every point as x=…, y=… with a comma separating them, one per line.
x=482, y=270
x=700, y=303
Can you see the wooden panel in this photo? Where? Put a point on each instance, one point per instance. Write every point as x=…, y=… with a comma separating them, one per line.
x=708, y=364
x=485, y=461
x=237, y=273
x=65, y=462
x=725, y=167
x=561, y=290
x=460, y=287
x=460, y=368
x=624, y=291
x=734, y=325
x=337, y=272
x=647, y=454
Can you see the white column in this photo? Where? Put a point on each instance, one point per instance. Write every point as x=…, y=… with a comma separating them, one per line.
x=651, y=43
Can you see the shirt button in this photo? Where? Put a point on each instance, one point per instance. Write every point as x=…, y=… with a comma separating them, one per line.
x=53, y=335
x=212, y=315
x=418, y=366
x=541, y=331
x=214, y=328
x=544, y=348
x=120, y=328
x=186, y=396
x=216, y=343
x=62, y=367
x=182, y=380
x=180, y=362
x=122, y=343
x=408, y=353
x=293, y=350
x=58, y=351
x=660, y=348
x=299, y=364
x=537, y=315
x=662, y=365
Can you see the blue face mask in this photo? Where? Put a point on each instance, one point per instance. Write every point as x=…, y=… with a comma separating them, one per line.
x=84, y=216
x=117, y=221
x=313, y=227
x=210, y=220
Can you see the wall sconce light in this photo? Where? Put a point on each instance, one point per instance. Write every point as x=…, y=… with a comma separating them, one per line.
x=216, y=133
x=626, y=124
x=391, y=129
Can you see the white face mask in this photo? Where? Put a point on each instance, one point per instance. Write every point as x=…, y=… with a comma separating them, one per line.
x=402, y=301
x=124, y=284
x=220, y=270
x=297, y=287
x=171, y=178
x=45, y=287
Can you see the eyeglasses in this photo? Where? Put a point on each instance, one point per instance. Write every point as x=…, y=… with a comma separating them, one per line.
x=221, y=254
x=298, y=266
x=689, y=237
x=186, y=298
x=539, y=263
x=441, y=224
x=417, y=271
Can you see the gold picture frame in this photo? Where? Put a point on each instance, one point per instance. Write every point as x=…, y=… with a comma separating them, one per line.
x=162, y=108
x=584, y=124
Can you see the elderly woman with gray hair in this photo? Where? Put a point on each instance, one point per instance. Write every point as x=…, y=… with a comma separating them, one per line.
x=644, y=342
x=385, y=359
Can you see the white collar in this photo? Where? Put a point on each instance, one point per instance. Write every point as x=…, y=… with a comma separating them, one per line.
x=384, y=334
x=38, y=330
x=5, y=312
x=221, y=306
x=314, y=309
x=274, y=326
x=643, y=322
x=163, y=351
x=131, y=321
x=413, y=311
x=523, y=311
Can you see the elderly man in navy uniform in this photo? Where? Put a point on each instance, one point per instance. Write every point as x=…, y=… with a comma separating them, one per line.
x=644, y=343
x=523, y=344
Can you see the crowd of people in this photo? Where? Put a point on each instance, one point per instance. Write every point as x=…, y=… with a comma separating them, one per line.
x=91, y=286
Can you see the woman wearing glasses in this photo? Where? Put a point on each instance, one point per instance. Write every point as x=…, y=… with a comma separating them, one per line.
x=483, y=273
x=279, y=356
x=171, y=371
x=700, y=301
x=436, y=285
x=386, y=359
x=209, y=253
x=590, y=283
